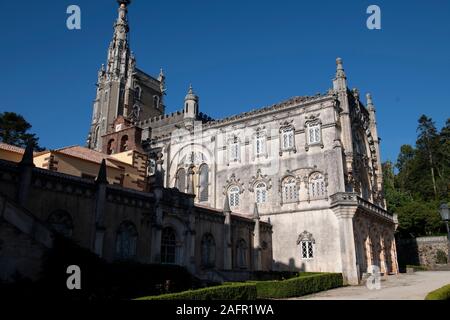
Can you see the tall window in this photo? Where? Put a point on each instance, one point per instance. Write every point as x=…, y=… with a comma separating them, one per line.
x=181, y=180
x=307, y=249
x=314, y=133
x=260, y=143
x=61, y=222
x=137, y=93
x=242, y=254
x=110, y=148
x=261, y=192
x=168, y=246
x=208, y=251
x=204, y=182
x=306, y=243
x=156, y=101
x=234, y=150
x=317, y=188
x=126, y=241
x=289, y=189
x=124, y=144
x=233, y=195
x=287, y=138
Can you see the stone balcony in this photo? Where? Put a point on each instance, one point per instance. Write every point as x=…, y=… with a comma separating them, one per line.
x=351, y=199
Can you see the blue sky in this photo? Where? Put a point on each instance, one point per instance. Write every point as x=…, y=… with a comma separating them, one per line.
x=238, y=55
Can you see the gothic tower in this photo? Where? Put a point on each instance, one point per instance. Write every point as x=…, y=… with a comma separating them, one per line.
x=123, y=89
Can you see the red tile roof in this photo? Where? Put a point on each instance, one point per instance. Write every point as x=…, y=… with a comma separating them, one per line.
x=88, y=155
x=8, y=147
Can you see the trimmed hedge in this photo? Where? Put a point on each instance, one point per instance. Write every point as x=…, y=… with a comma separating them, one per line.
x=241, y=291
x=296, y=287
x=417, y=268
x=439, y=294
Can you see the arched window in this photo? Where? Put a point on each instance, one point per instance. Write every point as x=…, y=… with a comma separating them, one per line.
x=287, y=138
x=306, y=243
x=208, y=251
x=180, y=183
x=110, y=147
x=124, y=144
x=241, y=252
x=204, y=182
x=317, y=188
x=126, y=241
x=96, y=136
x=137, y=93
x=289, y=190
x=156, y=102
x=61, y=222
x=168, y=246
x=233, y=196
x=261, y=192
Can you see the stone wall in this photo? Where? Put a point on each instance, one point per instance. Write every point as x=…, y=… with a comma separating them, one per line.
x=421, y=251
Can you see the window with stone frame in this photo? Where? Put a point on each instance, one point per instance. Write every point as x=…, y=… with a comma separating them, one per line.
x=260, y=193
x=307, y=249
x=208, y=251
x=260, y=143
x=287, y=138
x=314, y=132
x=289, y=190
x=234, y=150
x=241, y=253
x=126, y=241
x=137, y=93
x=307, y=245
x=168, y=246
x=233, y=196
x=180, y=182
x=317, y=186
x=204, y=183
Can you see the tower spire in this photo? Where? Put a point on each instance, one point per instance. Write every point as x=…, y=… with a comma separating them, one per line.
x=340, y=73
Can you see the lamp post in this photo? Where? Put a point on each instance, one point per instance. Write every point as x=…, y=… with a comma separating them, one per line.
x=445, y=215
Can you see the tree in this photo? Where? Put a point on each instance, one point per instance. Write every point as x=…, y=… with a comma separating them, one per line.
x=427, y=148
x=422, y=181
x=14, y=130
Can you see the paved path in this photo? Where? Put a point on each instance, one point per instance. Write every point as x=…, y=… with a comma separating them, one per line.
x=399, y=287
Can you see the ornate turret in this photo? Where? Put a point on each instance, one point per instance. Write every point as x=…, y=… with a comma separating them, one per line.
x=191, y=104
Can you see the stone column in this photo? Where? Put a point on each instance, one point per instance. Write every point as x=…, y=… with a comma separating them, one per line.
x=100, y=201
x=344, y=206
x=348, y=253
x=190, y=241
x=157, y=225
x=227, y=259
x=257, y=240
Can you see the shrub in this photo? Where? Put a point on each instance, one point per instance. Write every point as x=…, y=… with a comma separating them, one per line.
x=441, y=257
x=439, y=294
x=300, y=286
x=238, y=291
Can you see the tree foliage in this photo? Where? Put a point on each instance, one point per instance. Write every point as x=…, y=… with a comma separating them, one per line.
x=14, y=130
x=420, y=180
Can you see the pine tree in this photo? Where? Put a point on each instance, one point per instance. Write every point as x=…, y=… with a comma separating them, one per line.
x=14, y=130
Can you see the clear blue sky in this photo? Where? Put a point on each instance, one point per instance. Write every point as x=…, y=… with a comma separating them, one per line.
x=239, y=55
